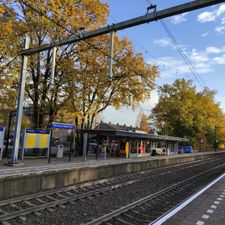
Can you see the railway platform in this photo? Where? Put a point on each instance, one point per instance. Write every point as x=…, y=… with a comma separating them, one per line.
x=37, y=175
x=206, y=207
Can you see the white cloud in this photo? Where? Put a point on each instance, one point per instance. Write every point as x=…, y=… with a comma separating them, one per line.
x=199, y=56
x=179, y=18
x=222, y=21
x=212, y=15
x=213, y=50
x=170, y=66
x=206, y=17
x=205, y=34
x=203, y=68
x=166, y=42
x=203, y=62
x=150, y=103
x=215, y=15
x=220, y=60
x=220, y=29
x=163, y=42
x=221, y=10
x=128, y=116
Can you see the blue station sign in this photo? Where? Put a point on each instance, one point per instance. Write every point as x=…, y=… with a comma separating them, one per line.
x=63, y=126
x=1, y=129
x=34, y=131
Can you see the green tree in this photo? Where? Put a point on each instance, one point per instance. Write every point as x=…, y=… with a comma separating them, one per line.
x=183, y=111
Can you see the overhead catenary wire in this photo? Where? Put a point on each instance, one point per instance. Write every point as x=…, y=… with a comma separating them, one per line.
x=135, y=40
x=58, y=24
x=89, y=43
x=184, y=56
x=182, y=53
x=140, y=45
x=143, y=48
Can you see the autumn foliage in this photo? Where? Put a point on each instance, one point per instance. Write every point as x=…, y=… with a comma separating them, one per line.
x=82, y=89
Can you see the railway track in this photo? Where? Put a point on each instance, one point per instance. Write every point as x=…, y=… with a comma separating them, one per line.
x=21, y=207
x=149, y=208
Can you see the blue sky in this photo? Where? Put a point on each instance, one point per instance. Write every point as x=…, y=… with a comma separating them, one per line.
x=201, y=34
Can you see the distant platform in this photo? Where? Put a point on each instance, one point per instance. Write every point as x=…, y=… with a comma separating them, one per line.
x=37, y=175
x=206, y=207
x=32, y=165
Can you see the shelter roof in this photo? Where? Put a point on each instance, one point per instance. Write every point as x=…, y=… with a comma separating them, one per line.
x=131, y=135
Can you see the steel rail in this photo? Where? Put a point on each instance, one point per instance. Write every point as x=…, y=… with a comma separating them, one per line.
x=36, y=208
x=139, y=202
x=77, y=196
x=152, y=172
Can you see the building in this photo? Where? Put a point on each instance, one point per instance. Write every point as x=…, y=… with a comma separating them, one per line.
x=127, y=141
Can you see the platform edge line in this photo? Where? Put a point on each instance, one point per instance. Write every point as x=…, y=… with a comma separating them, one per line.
x=171, y=213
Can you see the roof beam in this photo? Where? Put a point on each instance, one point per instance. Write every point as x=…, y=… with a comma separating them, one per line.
x=147, y=18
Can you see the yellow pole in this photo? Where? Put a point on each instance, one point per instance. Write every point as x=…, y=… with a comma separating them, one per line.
x=127, y=149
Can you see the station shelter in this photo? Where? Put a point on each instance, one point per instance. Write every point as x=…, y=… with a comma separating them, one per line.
x=130, y=144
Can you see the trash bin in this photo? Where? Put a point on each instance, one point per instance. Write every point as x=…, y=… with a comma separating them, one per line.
x=59, y=152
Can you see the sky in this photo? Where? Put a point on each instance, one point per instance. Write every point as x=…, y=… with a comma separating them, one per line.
x=200, y=34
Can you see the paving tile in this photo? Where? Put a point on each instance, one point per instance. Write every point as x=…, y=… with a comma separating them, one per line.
x=206, y=209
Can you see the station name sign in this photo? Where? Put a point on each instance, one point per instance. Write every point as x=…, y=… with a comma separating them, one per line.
x=62, y=126
x=1, y=129
x=34, y=131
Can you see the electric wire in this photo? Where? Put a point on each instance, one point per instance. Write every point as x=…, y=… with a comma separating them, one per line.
x=146, y=51
x=135, y=40
x=184, y=56
x=182, y=53
x=92, y=45
x=61, y=26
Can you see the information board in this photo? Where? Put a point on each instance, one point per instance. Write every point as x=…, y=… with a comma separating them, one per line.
x=36, y=139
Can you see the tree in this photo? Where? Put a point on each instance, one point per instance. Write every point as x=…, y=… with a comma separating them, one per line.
x=142, y=122
x=8, y=76
x=93, y=92
x=32, y=19
x=81, y=88
x=183, y=111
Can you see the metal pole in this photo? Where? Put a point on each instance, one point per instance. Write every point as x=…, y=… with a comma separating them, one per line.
x=84, y=146
x=50, y=147
x=53, y=67
x=97, y=147
x=19, y=112
x=22, y=153
x=71, y=140
x=215, y=137
x=8, y=134
x=111, y=48
x=147, y=18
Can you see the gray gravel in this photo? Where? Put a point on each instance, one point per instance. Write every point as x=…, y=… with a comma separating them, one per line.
x=87, y=209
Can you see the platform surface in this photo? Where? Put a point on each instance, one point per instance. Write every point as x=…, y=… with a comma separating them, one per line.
x=206, y=209
x=42, y=165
